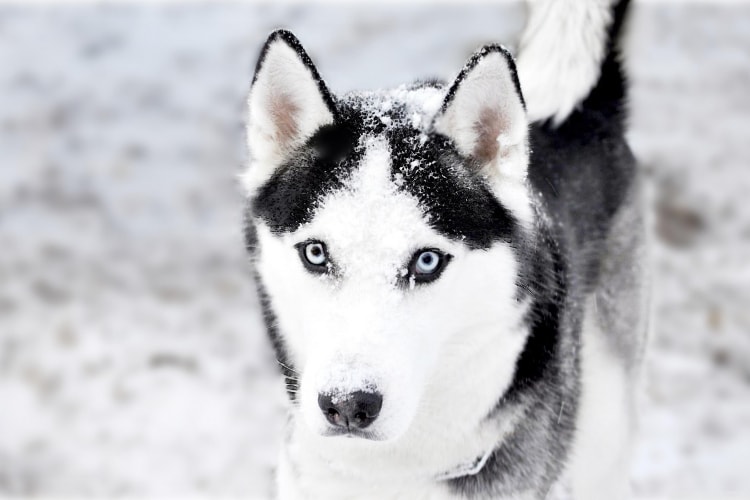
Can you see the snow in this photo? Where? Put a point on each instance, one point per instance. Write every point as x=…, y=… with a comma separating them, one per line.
x=132, y=356
x=401, y=106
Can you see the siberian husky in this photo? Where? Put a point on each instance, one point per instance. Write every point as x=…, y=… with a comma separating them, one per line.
x=452, y=276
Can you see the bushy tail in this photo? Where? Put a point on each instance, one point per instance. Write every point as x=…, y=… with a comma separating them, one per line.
x=569, y=57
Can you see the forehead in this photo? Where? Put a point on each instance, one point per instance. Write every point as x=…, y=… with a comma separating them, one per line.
x=370, y=219
x=381, y=153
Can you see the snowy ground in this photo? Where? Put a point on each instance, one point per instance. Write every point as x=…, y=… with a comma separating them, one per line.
x=132, y=361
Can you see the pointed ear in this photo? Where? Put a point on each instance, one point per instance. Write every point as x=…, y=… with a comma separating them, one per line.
x=485, y=115
x=288, y=103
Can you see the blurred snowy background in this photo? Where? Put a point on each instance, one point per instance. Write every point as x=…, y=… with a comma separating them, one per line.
x=132, y=360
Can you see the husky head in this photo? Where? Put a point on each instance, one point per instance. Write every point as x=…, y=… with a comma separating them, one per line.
x=385, y=229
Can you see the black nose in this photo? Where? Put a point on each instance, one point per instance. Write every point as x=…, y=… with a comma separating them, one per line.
x=356, y=410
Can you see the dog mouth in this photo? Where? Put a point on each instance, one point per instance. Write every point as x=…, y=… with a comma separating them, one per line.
x=352, y=433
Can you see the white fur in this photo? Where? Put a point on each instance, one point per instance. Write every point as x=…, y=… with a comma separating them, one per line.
x=600, y=457
x=282, y=82
x=560, y=55
x=418, y=345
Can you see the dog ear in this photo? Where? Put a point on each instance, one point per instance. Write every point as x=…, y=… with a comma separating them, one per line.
x=484, y=114
x=288, y=103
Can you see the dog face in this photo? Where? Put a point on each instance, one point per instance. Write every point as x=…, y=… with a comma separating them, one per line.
x=385, y=229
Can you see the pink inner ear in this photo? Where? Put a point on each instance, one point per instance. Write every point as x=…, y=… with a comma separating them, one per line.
x=488, y=127
x=284, y=112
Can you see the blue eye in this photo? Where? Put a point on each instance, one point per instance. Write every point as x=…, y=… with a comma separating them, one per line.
x=314, y=256
x=315, y=253
x=427, y=262
x=427, y=265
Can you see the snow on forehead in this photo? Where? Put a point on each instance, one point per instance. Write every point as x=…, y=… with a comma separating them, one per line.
x=401, y=106
x=370, y=220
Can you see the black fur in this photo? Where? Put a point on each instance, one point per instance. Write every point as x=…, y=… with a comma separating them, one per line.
x=290, y=197
x=458, y=203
